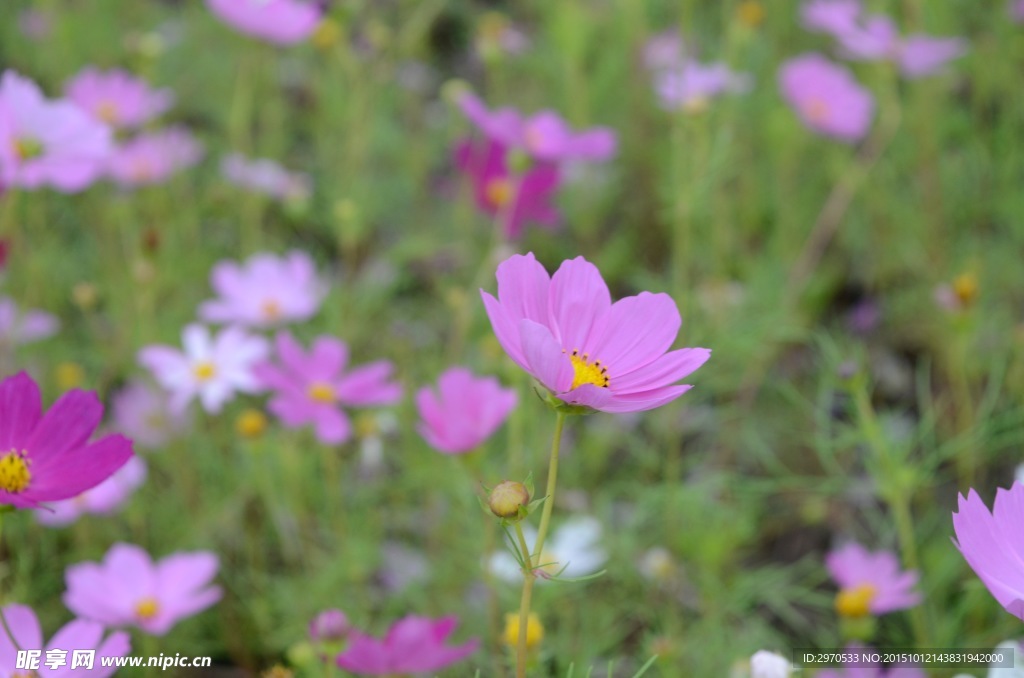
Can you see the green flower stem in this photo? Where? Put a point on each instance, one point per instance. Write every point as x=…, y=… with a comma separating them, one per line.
x=549, y=501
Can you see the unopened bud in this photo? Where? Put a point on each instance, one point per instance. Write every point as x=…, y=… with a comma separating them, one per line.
x=330, y=626
x=507, y=498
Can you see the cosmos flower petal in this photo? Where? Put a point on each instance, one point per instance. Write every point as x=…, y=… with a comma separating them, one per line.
x=546, y=358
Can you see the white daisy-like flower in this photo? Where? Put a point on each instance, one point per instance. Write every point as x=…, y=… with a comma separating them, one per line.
x=575, y=546
x=765, y=664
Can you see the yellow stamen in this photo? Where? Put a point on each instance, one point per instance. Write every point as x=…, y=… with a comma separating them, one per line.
x=147, y=608
x=498, y=192
x=321, y=392
x=587, y=372
x=14, y=473
x=27, y=148
x=965, y=287
x=251, y=423
x=695, y=105
x=534, y=631
x=204, y=371
x=856, y=602
x=750, y=13
x=107, y=112
x=271, y=309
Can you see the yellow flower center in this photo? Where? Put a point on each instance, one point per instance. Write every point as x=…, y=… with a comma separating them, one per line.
x=271, y=309
x=327, y=34
x=498, y=192
x=549, y=563
x=147, y=608
x=251, y=423
x=750, y=13
x=321, y=392
x=14, y=473
x=695, y=105
x=27, y=148
x=855, y=602
x=366, y=426
x=817, y=110
x=965, y=287
x=587, y=372
x=204, y=371
x=534, y=631
x=107, y=112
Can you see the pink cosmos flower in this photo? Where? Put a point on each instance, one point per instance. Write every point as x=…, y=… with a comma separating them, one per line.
x=311, y=388
x=830, y=16
x=46, y=457
x=464, y=411
x=210, y=368
x=264, y=291
x=47, y=143
x=921, y=55
x=329, y=626
x=413, y=645
x=494, y=187
x=565, y=331
x=282, y=22
x=24, y=327
x=992, y=545
x=827, y=97
x=266, y=177
x=874, y=575
x=693, y=85
x=35, y=24
x=129, y=589
x=154, y=158
x=144, y=414
x=117, y=98
x=1016, y=10
x=78, y=634
x=103, y=499
x=544, y=135
x=664, y=50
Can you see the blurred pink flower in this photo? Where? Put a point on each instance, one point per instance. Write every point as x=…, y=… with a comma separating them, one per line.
x=144, y=414
x=265, y=176
x=265, y=291
x=992, y=545
x=129, y=589
x=153, y=158
x=35, y=24
x=494, y=186
x=664, y=50
x=47, y=143
x=103, y=499
x=311, y=388
x=210, y=368
x=283, y=22
x=47, y=457
x=830, y=16
x=413, y=645
x=464, y=411
x=544, y=135
x=78, y=634
x=565, y=331
x=874, y=38
x=1016, y=10
x=874, y=575
x=117, y=98
x=921, y=55
x=692, y=85
x=827, y=97
x=23, y=327
x=329, y=626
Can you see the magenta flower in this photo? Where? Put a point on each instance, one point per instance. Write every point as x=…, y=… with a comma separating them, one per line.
x=212, y=368
x=545, y=135
x=873, y=579
x=19, y=327
x=47, y=143
x=129, y=589
x=494, y=187
x=78, y=634
x=103, y=499
x=827, y=97
x=991, y=544
x=144, y=414
x=921, y=55
x=266, y=177
x=154, y=158
x=565, y=331
x=874, y=38
x=264, y=291
x=693, y=85
x=47, y=457
x=413, y=645
x=464, y=411
x=311, y=388
x=117, y=97
x=282, y=22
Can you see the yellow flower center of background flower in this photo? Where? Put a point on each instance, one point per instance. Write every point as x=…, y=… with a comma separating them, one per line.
x=498, y=192
x=271, y=309
x=965, y=287
x=750, y=13
x=817, y=110
x=14, y=473
x=204, y=370
x=27, y=148
x=251, y=423
x=107, y=112
x=321, y=392
x=534, y=631
x=855, y=602
x=147, y=608
x=586, y=372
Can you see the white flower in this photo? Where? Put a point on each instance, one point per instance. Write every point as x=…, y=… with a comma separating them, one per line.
x=765, y=664
x=23, y=327
x=575, y=546
x=1009, y=647
x=211, y=368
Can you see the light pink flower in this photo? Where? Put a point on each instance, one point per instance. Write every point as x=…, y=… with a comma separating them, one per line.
x=693, y=85
x=78, y=634
x=464, y=411
x=211, y=368
x=47, y=143
x=664, y=50
x=267, y=177
x=827, y=97
x=144, y=414
x=117, y=98
x=283, y=22
x=23, y=327
x=921, y=55
x=311, y=388
x=129, y=589
x=153, y=158
x=1016, y=10
x=103, y=499
x=876, y=574
x=830, y=16
x=413, y=645
x=565, y=331
x=993, y=544
x=265, y=291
